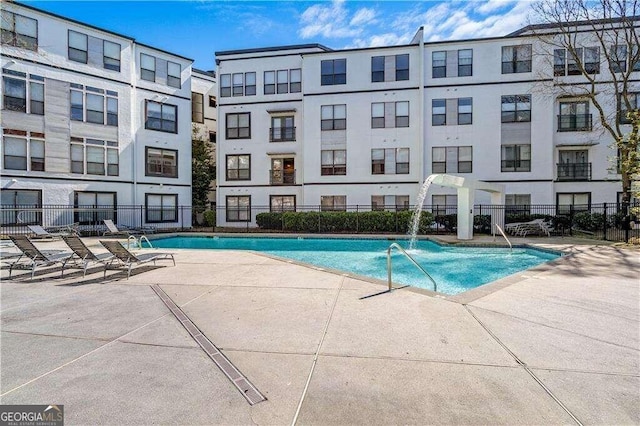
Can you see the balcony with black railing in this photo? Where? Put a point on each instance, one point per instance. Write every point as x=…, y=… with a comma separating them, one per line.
x=574, y=171
x=574, y=123
x=282, y=177
x=282, y=134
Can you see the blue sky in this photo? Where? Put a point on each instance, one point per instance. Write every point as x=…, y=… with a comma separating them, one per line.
x=196, y=29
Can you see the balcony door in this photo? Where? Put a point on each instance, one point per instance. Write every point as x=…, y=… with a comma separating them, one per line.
x=573, y=165
x=574, y=116
x=283, y=171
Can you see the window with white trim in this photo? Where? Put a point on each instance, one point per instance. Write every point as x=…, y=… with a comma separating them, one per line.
x=147, y=67
x=19, y=31
x=22, y=93
x=111, y=55
x=94, y=105
x=174, y=74
x=78, y=47
x=94, y=157
x=22, y=150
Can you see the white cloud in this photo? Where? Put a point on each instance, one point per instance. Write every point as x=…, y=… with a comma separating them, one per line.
x=363, y=16
x=327, y=21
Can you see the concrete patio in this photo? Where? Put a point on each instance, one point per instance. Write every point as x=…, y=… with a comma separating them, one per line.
x=554, y=345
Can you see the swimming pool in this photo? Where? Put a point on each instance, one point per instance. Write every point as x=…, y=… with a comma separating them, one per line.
x=455, y=269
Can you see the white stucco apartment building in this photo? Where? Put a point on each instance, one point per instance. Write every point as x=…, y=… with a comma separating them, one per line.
x=90, y=118
x=369, y=125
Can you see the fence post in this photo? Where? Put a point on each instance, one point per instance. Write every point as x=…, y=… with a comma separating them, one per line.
x=141, y=213
x=319, y=219
x=357, y=219
x=627, y=221
x=604, y=225
x=571, y=220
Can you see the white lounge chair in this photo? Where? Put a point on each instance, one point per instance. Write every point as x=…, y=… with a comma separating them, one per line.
x=41, y=233
x=112, y=229
x=126, y=259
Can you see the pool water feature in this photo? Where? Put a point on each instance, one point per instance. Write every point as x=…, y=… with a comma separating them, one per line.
x=455, y=269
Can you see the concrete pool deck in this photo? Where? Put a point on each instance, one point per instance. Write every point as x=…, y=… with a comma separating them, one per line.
x=560, y=345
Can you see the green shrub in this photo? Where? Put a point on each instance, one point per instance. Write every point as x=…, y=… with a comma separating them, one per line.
x=482, y=223
x=328, y=222
x=210, y=218
x=448, y=221
x=588, y=221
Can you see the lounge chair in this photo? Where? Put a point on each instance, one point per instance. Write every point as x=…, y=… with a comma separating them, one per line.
x=41, y=233
x=522, y=229
x=126, y=259
x=82, y=256
x=35, y=258
x=112, y=229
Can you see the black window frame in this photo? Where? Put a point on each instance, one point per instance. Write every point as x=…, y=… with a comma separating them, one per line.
x=513, y=65
x=98, y=213
x=237, y=209
x=173, y=175
x=282, y=209
x=441, y=118
x=622, y=112
x=195, y=113
x=147, y=71
x=516, y=115
x=162, y=209
x=377, y=72
x=227, y=128
x=402, y=74
x=9, y=212
x=237, y=169
x=333, y=207
x=225, y=91
x=462, y=68
x=173, y=80
x=441, y=166
x=29, y=162
x=162, y=120
x=329, y=124
x=333, y=169
x=329, y=77
x=439, y=71
x=519, y=164
x=567, y=207
x=467, y=116
x=13, y=38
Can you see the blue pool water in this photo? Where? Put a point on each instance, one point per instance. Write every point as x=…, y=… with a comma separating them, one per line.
x=455, y=269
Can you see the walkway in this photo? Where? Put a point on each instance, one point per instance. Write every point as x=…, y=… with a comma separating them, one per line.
x=557, y=346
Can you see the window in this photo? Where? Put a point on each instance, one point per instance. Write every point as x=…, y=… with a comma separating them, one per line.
x=23, y=150
x=237, y=88
x=269, y=82
x=212, y=137
x=516, y=108
x=517, y=203
x=333, y=117
x=619, y=56
x=94, y=207
x=465, y=63
x=438, y=112
x=95, y=108
x=516, y=158
x=282, y=81
x=295, y=80
x=212, y=102
x=573, y=165
x=574, y=116
x=282, y=129
x=333, y=203
x=334, y=162
x=566, y=63
x=390, y=161
x=238, y=125
x=94, y=105
x=111, y=56
x=622, y=108
x=439, y=64
x=225, y=85
x=147, y=67
x=161, y=162
x=19, y=31
x=282, y=203
x=390, y=202
x=161, y=117
x=516, y=59
x=197, y=107
x=174, y=72
x=249, y=83
x=333, y=72
x=566, y=202
x=444, y=204
x=402, y=67
x=25, y=203
x=377, y=69
x=389, y=114
x=22, y=93
x=78, y=46
x=161, y=207
x=452, y=159
x=238, y=208
x=239, y=167
x=465, y=110
x=94, y=157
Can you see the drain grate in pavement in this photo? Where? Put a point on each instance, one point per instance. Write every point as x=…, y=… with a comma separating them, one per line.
x=246, y=388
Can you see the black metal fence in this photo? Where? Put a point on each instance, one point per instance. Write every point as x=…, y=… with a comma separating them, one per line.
x=607, y=221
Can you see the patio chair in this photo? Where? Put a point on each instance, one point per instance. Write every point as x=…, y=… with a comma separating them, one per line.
x=82, y=256
x=112, y=229
x=35, y=258
x=127, y=259
x=41, y=233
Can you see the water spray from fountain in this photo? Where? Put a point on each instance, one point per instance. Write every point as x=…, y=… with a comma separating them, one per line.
x=417, y=212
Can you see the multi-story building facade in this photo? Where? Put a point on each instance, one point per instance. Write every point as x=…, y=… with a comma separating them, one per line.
x=367, y=126
x=204, y=116
x=90, y=119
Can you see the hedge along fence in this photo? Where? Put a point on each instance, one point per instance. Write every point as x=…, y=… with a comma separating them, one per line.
x=324, y=222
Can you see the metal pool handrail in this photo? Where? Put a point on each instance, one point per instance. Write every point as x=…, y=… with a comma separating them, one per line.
x=504, y=235
x=137, y=242
x=401, y=250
